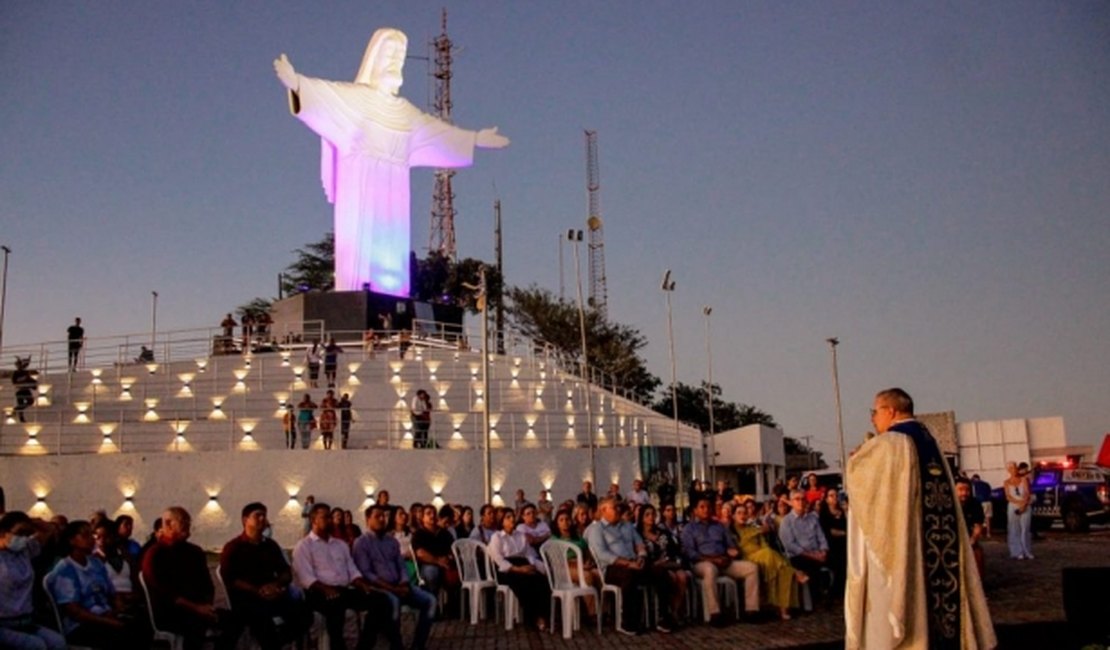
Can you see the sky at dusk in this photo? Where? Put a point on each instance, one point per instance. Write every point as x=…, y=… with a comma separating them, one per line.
x=928, y=181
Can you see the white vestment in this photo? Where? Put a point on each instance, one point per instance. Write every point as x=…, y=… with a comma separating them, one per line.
x=370, y=140
x=885, y=602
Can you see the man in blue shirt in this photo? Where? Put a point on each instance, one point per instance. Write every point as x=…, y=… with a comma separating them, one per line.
x=83, y=592
x=802, y=538
x=619, y=552
x=711, y=553
x=378, y=557
x=20, y=542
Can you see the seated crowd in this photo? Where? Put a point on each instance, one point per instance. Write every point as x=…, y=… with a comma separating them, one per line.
x=92, y=574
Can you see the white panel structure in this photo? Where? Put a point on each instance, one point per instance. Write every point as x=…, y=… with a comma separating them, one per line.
x=1014, y=431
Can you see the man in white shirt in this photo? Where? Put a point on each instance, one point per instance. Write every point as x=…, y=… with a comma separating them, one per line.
x=332, y=582
x=638, y=496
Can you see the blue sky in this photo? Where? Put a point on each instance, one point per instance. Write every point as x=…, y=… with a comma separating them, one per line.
x=928, y=181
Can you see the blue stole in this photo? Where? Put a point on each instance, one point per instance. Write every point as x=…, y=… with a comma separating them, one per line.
x=940, y=532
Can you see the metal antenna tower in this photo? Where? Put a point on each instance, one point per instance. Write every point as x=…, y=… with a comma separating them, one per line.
x=599, y=297
x=441, y=235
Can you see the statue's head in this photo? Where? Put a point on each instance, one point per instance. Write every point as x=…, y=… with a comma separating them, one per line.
x=384, y=59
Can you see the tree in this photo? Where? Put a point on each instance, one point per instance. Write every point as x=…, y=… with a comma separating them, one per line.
x=612, y=348
x=693, y=409
x=314, y=268
x=255, y=307
x=439, y=279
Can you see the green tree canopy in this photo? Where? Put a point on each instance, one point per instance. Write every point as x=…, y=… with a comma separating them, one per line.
x=612, y=348
x=693, y=409
x=313, y=269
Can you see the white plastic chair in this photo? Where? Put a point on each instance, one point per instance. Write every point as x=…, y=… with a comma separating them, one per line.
x=175, y=641
x=618, y=599
x=557, y=555
x=728, y=592
x=47, y=586
x=510, y=605
x=466, y=553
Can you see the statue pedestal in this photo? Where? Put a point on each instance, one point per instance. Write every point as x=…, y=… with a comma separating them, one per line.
x=349, y=314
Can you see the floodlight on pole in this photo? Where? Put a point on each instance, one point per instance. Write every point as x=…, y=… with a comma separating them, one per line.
x=667, y=285
x=833, y=342
x=4, y=293
x=575, y=237
x=153, y=318
x=707, y=310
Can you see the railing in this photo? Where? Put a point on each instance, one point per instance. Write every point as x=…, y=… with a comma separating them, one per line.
x=112, y=360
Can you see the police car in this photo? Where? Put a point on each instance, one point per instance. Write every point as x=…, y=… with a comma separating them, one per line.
x=1077, y=495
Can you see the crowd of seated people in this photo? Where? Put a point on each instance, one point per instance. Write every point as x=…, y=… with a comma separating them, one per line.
x=95, y=571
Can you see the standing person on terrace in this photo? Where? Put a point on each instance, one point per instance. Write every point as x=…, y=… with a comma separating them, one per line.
x=331, y=361
x=328, y=418
x=306, y=420
x=711, y=554
x=421, y=419
x=21, y=540
x=587, y=496
x=312, y=356
x=75, y=336
x=345, y=417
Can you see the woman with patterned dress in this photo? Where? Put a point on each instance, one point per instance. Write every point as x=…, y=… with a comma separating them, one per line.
x=664, y=550
x=328, y=419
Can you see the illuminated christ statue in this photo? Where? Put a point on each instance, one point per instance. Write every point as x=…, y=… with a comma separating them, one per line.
x=370, y=138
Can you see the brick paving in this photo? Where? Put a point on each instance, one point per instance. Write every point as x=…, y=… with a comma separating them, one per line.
x=1019, y=592
x=1025, y=599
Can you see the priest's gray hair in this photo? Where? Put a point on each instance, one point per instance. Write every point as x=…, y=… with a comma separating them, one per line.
x=897, y=399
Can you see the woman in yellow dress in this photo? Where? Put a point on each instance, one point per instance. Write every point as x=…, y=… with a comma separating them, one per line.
x=778, y=578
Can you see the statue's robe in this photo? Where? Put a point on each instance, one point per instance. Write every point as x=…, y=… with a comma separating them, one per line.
x=912, y=580
x=370, y=140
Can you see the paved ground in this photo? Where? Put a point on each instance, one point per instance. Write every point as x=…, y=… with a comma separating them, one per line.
x=1025, y=601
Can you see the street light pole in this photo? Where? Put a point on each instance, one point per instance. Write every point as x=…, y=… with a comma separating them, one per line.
x=707, y=310
x=487, y=466
x=153, y=318
x=668, y=288
x=4, y=294
x=833, y=342
x=575, y=237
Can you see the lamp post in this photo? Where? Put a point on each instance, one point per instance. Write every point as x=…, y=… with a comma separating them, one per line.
x=575, y=237
x=153, y=318
x=833, y=342
x=4, y=293
x=707, y=310
x=562, y=287
x=668, y=288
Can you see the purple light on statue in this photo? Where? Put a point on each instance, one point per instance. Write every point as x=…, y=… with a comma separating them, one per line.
x=370, y=137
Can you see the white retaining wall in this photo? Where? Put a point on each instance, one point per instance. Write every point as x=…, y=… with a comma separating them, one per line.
x=77, y=485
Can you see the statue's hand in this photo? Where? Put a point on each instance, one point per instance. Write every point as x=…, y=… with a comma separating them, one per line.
x=491, y=139
x=285, y=72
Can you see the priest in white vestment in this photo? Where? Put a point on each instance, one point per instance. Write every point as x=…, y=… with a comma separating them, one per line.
x=371, y=137
x=912, y=580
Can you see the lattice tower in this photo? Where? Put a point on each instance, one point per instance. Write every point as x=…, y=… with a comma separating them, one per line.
x=441, y=234
x=599, y=297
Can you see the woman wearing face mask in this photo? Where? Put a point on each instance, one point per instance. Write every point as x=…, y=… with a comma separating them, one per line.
x=20, y=541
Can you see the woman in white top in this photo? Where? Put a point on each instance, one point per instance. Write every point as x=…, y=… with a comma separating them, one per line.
x=521, y=569
x=1019, y=522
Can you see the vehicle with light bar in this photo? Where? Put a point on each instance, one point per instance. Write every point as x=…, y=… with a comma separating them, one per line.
x=1077, y=495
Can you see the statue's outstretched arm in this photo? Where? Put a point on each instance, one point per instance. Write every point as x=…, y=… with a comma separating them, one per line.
x=285, y=72
x=491, y=139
